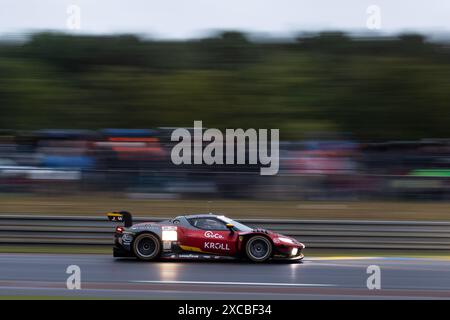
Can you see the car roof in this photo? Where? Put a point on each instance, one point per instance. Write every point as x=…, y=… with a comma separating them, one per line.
x=201, y=215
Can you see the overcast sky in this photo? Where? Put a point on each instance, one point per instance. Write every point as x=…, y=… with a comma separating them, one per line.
x=191, y=18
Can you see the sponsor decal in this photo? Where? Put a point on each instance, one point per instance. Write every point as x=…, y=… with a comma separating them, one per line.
x=190, y=256
x=127, y=237
x=217, y=246
x=146, y=227
x=210, y=234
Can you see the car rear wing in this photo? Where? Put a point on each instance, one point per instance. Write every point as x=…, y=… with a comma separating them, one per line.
x=121, y=216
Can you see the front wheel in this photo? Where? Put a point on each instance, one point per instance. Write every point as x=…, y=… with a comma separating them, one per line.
x=258, y=249
x=147, y=246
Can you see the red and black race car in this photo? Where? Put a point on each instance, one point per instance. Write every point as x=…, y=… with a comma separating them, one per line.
x=202, y=236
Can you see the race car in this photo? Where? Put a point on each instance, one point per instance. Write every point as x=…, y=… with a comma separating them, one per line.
x=202, y=237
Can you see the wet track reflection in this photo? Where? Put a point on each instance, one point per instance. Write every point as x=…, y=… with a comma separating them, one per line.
x=327, y=277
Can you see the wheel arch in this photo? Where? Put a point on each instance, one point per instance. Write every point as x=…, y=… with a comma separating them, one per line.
x=137, y=234
x=247, y=236
x=147, y=232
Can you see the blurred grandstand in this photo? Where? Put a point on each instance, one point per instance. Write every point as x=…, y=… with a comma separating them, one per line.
x=136, y=162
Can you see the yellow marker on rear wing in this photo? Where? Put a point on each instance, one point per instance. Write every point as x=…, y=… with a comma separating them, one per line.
x=122, y=216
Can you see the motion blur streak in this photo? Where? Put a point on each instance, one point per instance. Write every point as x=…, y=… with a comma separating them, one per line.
x=359, y=117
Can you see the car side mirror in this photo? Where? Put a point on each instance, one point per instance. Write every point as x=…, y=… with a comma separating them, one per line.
x=230, y=227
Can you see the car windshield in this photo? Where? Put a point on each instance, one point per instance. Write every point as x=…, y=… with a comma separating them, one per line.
x=237, y=225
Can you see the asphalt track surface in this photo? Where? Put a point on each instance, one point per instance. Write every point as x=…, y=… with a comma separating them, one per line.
x=31, y=275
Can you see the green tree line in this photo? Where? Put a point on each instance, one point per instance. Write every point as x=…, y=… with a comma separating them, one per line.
x=370, y=88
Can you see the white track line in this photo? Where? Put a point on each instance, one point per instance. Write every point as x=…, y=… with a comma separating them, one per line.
x=274, y=284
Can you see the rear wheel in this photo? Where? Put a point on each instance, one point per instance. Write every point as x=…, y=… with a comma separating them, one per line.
x=258, y=248
x=146, y=246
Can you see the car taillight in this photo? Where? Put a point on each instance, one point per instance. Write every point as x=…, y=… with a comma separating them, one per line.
x=119, y=229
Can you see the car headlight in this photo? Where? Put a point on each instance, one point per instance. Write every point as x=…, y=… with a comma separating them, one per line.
x=294, y=251
x=287, y=240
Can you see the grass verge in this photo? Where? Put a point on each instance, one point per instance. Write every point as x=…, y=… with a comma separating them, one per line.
x=99, y=204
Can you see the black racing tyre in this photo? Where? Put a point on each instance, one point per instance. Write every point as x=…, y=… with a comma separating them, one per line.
x=147, y=246
x=258, y=248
